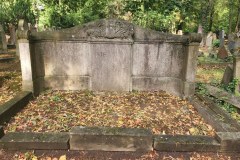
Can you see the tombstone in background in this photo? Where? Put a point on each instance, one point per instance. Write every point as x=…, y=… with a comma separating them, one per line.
x=222, y=53
x=214, y=36
x=231, y=42
x=12, y=31
x=209, y=40
x=22, y=29
x=228, y=75
x=221, y=37
x=179, y=32
x=200, y=29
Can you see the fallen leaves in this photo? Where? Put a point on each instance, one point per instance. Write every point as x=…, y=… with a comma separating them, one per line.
x=61, y=110
x=10, y=84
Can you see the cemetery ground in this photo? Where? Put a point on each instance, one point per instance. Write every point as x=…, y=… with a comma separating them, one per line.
x=58, y=111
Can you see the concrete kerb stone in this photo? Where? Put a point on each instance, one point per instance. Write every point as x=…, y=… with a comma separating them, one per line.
x=10, y=108
x=29, y=140
x=110, y=139
x=230, y=141
x=185, y=143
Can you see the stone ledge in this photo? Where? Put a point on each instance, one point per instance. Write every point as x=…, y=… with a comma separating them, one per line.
x=230, y=141
x=110, y=139
x=10, y=108
x=22, y=141
x=1, y=132
x=185, y=143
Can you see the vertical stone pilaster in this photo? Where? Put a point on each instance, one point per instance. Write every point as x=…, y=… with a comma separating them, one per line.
x=191, y=64
x=23, y=48
x=25, y=59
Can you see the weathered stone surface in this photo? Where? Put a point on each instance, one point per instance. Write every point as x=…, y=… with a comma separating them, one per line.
x=223, y=95
x=111, y=67
x=185, y=143
x=67, y=82
x=110, y=139
x=171, y=85
x=228, y=75
x=230, y=141
x=236, y=71
x=8, y=109
x=21, y=141
x=110, y=53
x=214, y=115
x=222, y=53
x=209, y=39
x=26, y=68
x=148, y=58
x=1, y=132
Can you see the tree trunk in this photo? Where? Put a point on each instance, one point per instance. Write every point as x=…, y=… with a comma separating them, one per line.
x=211, y=14
x=230, y=16
x=238, y=17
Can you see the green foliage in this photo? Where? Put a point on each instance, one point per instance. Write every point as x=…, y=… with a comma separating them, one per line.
x=231, y=86
x=216, y=43
x=201, y=89
x=161, y=15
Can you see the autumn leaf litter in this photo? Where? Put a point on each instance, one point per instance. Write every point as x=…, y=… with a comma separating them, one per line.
x=59, y=111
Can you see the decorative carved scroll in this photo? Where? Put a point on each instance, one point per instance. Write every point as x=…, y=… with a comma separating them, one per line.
x=111, y=29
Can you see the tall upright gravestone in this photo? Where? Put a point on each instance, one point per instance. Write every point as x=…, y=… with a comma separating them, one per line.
x=3, y=42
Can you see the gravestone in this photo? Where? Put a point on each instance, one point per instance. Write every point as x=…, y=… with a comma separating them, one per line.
x=228, y=75
x=209, y=39
x=221, y=37
x=222, y=53
x=214, y=36
x=3, y=42
x=200, y=29
x=231, y=42
x=12, y=31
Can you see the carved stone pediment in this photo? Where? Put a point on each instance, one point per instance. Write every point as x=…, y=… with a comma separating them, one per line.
x=111, y=29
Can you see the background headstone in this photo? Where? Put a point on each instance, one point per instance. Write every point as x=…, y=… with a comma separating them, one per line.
x=228, y=75
x=222, y=53
x=12, y=31
x=221, y=37
x=209, y=39
x=3, y=42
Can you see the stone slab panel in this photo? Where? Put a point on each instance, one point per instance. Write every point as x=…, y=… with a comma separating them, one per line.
x=158, y=59
x=21, y=141
x=67, y=82
x=168, y=84
x=110, y=139
x=26, y=68
x=230, y=141
x=111, y=67
x=8, y=109
x=185, y=143
x=66, y=58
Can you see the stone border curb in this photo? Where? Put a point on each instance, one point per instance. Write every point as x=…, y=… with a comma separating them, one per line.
x=230, y=141
x=185, y=143
x=29, y=140
x=10, y=108
x=110, y=139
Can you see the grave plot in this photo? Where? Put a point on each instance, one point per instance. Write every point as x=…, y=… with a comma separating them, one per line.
x=59, y=111
x=10, y=80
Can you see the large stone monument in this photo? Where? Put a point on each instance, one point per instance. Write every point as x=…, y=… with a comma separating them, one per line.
x=3, y=42
x=109, y=55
